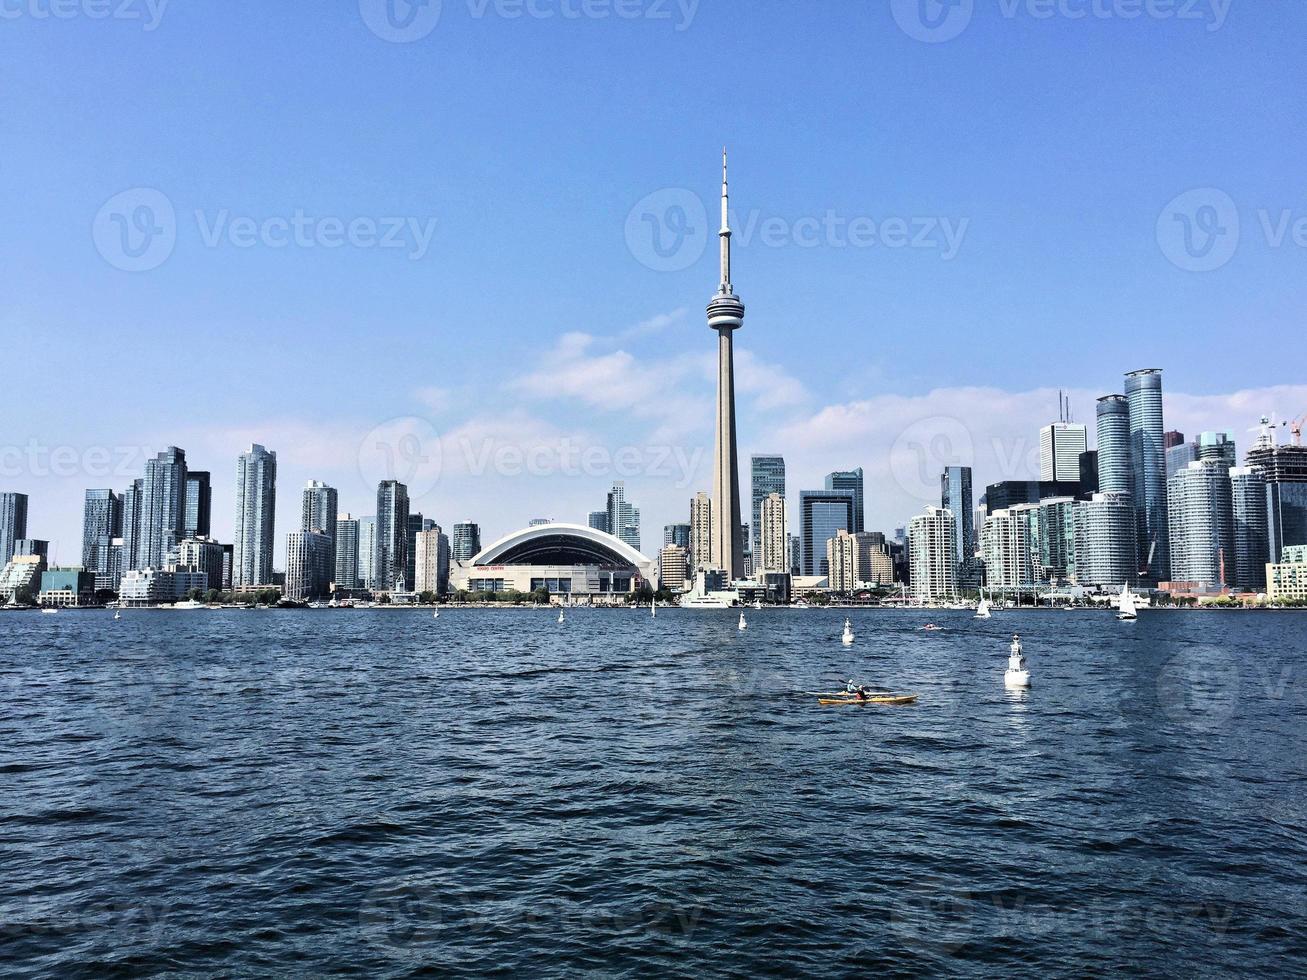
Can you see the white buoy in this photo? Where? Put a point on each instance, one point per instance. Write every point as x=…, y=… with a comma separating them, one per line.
x=743, y=624
x=848, y=633
x=435, y=614
x=561, y=617
x=1017, y=674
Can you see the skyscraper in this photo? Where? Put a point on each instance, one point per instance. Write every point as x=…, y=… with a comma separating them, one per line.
x=598, y=520
x=725, y=316
x=1202, y=524
x=13, y=523
x=199, y=504
x=1143, y=391
x=392, y=537
x=318, y=513
x=256, y=505
x=1251, y=545
x=347, y=552
x=1115, y=467
x=102, y=521
x=309, y=565
x=930, y=555
x=767, y=476
x=701, y=536
x=1218, y=446
x=1011, y=547
x=1060, y=446
x=773, y=555
x=822, y=515
x=163, y=508
x=955, y=497
x=416, y=525
x=426, y=550
x=672, y=564
x=1285, y=470
x=467, y=540
x=367, y=560
x=623, y=518
x=1105, y=540
x=131, y=524
x=677, y=534
x=850, y=482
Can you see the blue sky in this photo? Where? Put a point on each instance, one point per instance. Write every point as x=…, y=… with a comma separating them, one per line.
x=533, y=315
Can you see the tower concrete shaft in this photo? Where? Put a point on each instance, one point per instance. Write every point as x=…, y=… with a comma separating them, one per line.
x=726, y=315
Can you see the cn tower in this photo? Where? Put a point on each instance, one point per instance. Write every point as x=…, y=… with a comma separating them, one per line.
x=726, y=315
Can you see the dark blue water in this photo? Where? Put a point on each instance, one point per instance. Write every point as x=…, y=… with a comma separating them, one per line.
x=383, y=794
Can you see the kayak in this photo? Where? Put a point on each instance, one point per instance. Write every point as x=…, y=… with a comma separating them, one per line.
x=873, y=699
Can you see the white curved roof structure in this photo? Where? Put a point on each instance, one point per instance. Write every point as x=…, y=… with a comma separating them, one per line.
x=560, y=544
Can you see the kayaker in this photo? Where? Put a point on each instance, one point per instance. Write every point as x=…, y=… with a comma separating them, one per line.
x=851, y=688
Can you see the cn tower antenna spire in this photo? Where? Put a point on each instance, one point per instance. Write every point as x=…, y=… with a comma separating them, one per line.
x=725, y=233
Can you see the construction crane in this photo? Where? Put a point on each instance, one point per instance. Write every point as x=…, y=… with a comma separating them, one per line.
x=1295, y=428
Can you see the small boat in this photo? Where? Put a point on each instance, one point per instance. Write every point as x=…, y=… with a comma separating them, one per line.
x=50, y=609
x=757, y=603
x=890, y=699
x=1017, y=674
x=982, y=610
x=117, y=614
x=743, y=625
x=1127, y=611
x=847, y=638
x=931, y=627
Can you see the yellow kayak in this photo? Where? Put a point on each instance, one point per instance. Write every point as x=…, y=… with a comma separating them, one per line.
x=872, y=699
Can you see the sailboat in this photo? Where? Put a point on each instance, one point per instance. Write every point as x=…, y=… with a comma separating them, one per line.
x=757, y=603
x=435, y=614
x=847, y=638
x=653, y=609
x=982, y=610
x=1126, y=611
x=743, y=624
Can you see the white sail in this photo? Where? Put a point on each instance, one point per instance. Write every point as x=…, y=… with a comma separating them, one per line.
x=1127, y=607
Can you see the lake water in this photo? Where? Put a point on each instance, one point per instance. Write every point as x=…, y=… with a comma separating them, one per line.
x=384, y=794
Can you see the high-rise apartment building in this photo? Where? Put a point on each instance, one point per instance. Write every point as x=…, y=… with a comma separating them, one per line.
x=415, y=526
x=598, y=520
x=1143, y=392
x=256, y=506
x=1251, y=543
x=955, y=497
x=849, y=482
x=199, y=504
x=310, y=565
x=1200, y=510
x=426, y=548
x=1105, y=540
x=367, y=560
x=162, y=508
x=623, y=518
x=677, y=534
x=1218, y=446
x=766, y=476
x=13, y=523
x=131, y=498
x=1285, y=470
x=318, y=511
x=102, y=521
x=773, y=535
x=822, y=515
x=930, y=556
x=673, y=563
x=392, y=537
x=1115, y=462
x=1060, y=446
x=467, y=541
x=1011, y=548
x=201, y=555
x=347, y=552
x=701, y=536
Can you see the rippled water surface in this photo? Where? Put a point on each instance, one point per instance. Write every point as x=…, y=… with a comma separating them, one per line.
x=385, y=794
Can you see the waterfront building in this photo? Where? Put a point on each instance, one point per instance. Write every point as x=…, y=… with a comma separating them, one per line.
x=1143, y=390
x=672, y=567
x=933, y=573
x=426, y=551
x=1285, y=470
x=198, y=517
x=773, y=535
x=152, y=586
x=623, y=518
x=347, y=552
x=201, y=555
x=677, y=534
x=1202, y=525
x=1251, y=545
x=567, y=559
x=415, y=526
x=64, y=588
x=842, y=562
x=1055, y=535
x=318, y=510
x=310, y=564
x=467, y=540
x=110, y=567
x=102, y=521
x=701, y=536
x=1010, y=546
x=162, y=508
x=228, y=563
x=256, y=505
x=1115, y=464
x=1060, y=446
x=367, y=560
x=599, y=520
x=725, y=316
x=857, y=560
x=13, y=522
x=391, y=562
x=1286, y=580
x=822, y=514
x=767, y=476
x=22, y=573
x=955, y=497
x=849, y=482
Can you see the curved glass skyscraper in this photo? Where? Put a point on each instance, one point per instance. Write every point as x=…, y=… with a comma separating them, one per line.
x=1143, y=392
x=1115, y=469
